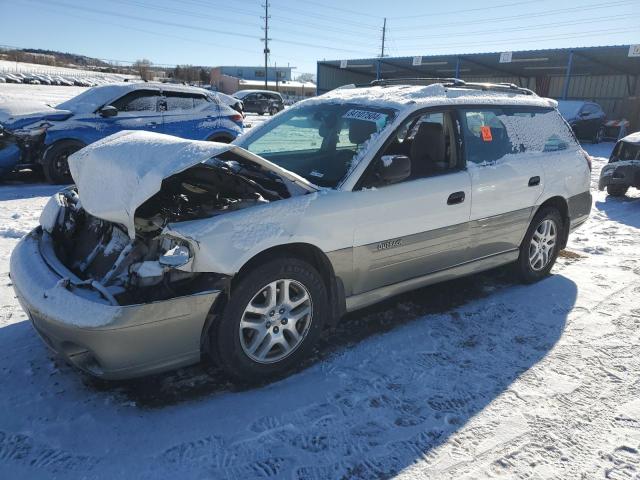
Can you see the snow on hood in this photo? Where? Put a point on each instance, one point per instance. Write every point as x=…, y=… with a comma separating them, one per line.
x=16, y=114
x=633, y=138
x=119, y=173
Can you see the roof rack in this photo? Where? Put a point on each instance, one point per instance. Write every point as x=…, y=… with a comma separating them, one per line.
x=418, y=81
x=455, y=82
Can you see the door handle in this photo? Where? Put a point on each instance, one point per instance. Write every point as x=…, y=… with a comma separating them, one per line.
x=153, y=124
x=454, y=198
x=534, y=181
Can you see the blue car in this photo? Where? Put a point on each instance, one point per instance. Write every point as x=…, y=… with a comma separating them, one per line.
x=33, y=135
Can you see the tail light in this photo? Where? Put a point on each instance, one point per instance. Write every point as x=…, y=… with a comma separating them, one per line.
x=237, y=117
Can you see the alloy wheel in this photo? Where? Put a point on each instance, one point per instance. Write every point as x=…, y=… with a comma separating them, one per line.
x=276, y=321
x=543, y=243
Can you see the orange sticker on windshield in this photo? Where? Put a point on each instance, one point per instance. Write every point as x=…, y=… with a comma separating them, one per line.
x=486, y=133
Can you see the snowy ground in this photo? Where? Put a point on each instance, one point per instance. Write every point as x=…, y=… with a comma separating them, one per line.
x=475, y=378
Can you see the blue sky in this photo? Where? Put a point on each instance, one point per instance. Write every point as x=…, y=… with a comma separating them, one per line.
x=223, y=32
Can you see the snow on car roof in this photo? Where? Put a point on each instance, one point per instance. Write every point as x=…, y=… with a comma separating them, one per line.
x=416, y=96
x=90, y=100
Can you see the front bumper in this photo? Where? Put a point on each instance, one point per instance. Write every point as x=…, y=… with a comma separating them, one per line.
x=620, y=173
x=109, y=341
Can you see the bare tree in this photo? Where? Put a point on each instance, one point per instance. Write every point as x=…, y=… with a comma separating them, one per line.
x=143, y=67
x=306, y=77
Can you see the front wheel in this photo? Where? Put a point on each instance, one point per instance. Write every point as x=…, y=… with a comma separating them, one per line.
x=55, y=165
x=540, y=247
x=273, y=111
x=617, y=190
x=271, y=322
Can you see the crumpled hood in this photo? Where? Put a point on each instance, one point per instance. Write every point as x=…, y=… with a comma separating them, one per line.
x=119, y=173
x=15, y=115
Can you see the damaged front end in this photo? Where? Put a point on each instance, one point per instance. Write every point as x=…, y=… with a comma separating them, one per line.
x=105, y=281
x=623, y=169
x=21, y=148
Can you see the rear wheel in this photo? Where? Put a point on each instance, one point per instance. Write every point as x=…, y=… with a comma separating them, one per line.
x=55, y=165
x=617, y=190
x=599, y=136
x=271, y=322
x=219, y=139
x=540, y=247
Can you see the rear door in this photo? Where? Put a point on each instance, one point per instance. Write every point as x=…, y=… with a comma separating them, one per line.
x=502, y=153
x=188, y=115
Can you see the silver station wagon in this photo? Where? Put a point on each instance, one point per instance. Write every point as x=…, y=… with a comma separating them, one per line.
x=170, y=249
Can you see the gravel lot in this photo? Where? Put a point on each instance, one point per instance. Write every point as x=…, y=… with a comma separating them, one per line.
x=475, y=378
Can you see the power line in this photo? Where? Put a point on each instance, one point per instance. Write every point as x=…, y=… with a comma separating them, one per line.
x=594, y=6
x=191, y=27
x=340, y=9
x=515, y=29
x=540, y=38
x=455, y=12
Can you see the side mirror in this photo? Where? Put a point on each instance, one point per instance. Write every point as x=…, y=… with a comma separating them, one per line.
x=108, y=111
x=393, y=169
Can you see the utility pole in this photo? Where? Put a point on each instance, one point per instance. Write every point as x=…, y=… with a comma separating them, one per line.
x=384, y=34
x=266, y=43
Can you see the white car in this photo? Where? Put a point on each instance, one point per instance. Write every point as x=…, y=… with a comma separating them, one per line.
x=169, y=249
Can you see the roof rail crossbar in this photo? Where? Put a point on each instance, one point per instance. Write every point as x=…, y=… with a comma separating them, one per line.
x=418, y=81
x=455, y=82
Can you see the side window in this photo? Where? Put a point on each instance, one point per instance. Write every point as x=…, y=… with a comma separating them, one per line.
x=138, y=101
x=493, y=134
x=429, y=140
x=183, y=101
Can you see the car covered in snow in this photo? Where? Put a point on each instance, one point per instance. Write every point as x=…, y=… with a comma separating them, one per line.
x=623, y=169
x=34, y=135
x=170, y=249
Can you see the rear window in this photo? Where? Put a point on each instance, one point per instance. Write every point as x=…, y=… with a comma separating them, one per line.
x=492, y=134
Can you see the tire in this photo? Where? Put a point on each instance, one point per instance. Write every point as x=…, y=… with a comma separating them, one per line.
x=617, y=190
x=261, y=113
x=221, y=139
x=599, y=136
x=240, y=342
x=537, y=254
x=273, y=111
x=54, y=164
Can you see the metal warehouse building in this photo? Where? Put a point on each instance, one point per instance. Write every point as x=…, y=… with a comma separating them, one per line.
x=606, y=75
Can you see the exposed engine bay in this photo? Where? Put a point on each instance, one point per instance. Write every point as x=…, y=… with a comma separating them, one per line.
x=153, y=266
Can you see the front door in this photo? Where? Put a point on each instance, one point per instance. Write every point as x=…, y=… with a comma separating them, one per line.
x=137, y=110
x=418, y=226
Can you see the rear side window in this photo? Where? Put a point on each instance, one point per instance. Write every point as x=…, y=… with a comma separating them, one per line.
x=138, y=101
x=495, y=133
x=183, y=101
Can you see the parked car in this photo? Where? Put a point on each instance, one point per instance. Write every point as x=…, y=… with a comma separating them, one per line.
x=260, y=101
x=230, y=101
x=586, y=119
x=623, y=169
x=168, y=249
x=36, y=135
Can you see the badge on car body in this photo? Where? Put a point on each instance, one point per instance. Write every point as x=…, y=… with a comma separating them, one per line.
x=389, y=244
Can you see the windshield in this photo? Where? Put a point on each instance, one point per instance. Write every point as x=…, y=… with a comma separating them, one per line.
x=569, y=109
x=320, y=142
x=92, y=99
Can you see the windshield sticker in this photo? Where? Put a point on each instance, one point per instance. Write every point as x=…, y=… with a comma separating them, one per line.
x=486, y=133
x=380, y=119
x=315, y=173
